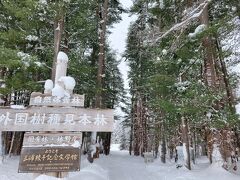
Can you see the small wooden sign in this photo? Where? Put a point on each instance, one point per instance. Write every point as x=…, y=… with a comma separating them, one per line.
x=52, y=139
x=55, y=159
x=39, y=99
x=56, y=119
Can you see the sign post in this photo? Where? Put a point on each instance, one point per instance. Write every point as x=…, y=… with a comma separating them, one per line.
x=56, y=119
x=44, y=160
x=50, y=152
x=60, y=113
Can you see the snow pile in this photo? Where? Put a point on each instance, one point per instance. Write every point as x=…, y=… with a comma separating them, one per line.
x=64, y=87
x=237, y=108
x=68, y=81
x=39, y=64
x=17, y=107
x=76, y=144
x=184, y=149
x=58, y=91
x=90, y=171
x=48, y=86
x=197, y=31
x=25, y=58
x=164, y=52
x=161, y=4
x=31, y=38
x=3, y=85
x=153, y=5
x=216, y=155
x=2, y=101
x=43, y=2
x=209, y=115
x=45, y=177
x=181, y=154
x=62, y=57
x=115, y=147
x=182, y=86
x=120, y=166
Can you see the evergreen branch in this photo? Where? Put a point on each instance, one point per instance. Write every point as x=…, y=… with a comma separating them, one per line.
x=195, y=15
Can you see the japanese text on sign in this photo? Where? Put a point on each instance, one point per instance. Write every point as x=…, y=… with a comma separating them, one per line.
x=56, y=159
x=56, y=119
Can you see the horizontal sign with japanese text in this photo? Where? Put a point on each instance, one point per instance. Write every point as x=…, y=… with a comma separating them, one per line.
x=55, y=159
x=39, y=99
x=52, y=139
x=56, y=119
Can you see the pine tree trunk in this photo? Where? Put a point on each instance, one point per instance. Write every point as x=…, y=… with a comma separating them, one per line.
x=210, y=73
x=163, y=140
x=186, y=142
x=102, y=13
x=157, y=138
x=225, y=78
x=103, y=16
x=195, y=145
x=131, y=130
x=145, y=123
x=163, y=148
x=136, y=126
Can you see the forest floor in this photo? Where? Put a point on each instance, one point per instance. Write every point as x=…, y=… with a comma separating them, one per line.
x=120, y=166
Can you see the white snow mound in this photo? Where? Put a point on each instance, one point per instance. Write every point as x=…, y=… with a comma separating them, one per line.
x=197, y=31
x=69, y=82
x=48, y=84
x=58, y=91
x=62, y=57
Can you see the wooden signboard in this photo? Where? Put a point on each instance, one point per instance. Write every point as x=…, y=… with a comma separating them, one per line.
x=52, y=139
x=55, y=159
x=39, y=99
x=56, y=119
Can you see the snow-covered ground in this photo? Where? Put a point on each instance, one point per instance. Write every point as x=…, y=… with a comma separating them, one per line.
x=120, y=166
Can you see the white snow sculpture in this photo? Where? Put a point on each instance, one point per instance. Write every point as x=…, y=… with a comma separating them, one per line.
x=64, y=85
x=61, y=68
x=58, y=91
x=69, y=84
x=48, y=86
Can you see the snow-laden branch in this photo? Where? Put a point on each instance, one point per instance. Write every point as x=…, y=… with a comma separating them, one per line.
x=196, y=13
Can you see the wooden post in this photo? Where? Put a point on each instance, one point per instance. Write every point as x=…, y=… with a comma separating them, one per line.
x=11, y=146
x=58, y=30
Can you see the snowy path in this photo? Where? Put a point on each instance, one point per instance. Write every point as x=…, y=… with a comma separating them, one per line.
x=120, y=166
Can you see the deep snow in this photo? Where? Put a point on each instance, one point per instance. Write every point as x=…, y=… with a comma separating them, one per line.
x=120, y=166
